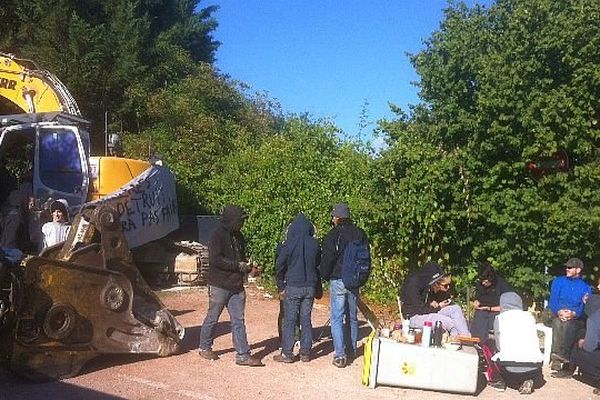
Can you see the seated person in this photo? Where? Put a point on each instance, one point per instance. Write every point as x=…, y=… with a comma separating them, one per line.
x=488, y=289
x=418, y=306
x=518, y=360
x=567, y=295
x=586, y=354
x=57, y=230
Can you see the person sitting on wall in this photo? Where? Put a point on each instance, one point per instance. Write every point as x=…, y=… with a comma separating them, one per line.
x=490, y=286
x=57, y=230
x=567, y=295
x=418, y=307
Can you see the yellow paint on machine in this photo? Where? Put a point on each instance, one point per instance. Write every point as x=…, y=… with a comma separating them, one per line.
x=110, y=173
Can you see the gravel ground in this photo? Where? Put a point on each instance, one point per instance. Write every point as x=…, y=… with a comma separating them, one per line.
x=188, y=376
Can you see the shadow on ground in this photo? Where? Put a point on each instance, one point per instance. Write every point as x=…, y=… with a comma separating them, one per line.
x=15, y=388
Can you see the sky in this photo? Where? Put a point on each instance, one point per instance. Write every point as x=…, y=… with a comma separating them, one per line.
x=329, y=58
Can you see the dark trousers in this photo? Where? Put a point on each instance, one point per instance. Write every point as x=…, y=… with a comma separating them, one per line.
x=588, y=363
x=514, y=375
x=564, y=335
x=483, y=322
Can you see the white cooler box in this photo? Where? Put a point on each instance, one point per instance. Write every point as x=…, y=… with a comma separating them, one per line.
x=408, y=365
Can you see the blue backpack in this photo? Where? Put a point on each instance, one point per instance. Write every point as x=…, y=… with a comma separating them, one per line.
x=356, y=264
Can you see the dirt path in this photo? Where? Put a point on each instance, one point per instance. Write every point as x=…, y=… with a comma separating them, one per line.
x=187, y=376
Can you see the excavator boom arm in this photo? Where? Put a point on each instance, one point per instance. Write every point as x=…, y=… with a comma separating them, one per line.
x=26, y=88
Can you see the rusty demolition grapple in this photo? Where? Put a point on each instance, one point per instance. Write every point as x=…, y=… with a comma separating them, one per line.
x=79, y=299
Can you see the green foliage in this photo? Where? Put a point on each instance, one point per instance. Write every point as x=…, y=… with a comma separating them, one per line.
x=500, y=87
x=302, y=168
x=195, y=124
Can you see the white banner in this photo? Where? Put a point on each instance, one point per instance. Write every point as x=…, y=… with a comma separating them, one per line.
x=147, y=206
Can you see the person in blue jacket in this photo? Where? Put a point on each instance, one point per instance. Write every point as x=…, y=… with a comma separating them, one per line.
x=567, y=295
x=296, y=277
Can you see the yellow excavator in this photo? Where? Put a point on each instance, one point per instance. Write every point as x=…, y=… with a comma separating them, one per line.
x=83, y=297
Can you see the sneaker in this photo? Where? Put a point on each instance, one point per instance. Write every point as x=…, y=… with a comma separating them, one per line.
x=305, y=357
x=339, y=362
x=282, y=358
x=208, y=354
x=350, y=357
x=500, y=386
x=526, y=387
x=563, y=373
x=556, y=365
x=250, y=362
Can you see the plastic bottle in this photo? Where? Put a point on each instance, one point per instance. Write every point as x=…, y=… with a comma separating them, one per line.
x=405, y=327
x=426, y=338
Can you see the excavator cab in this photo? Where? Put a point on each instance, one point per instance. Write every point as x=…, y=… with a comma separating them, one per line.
x=49, y=152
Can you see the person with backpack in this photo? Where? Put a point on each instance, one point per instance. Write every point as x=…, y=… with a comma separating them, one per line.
x=418, y=306
x=297, y=276
x=346, y=264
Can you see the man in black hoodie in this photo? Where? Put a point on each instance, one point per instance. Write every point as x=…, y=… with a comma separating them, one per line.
x=296, y=277
x=418, y=307
x=342, y=300
x=228, y=266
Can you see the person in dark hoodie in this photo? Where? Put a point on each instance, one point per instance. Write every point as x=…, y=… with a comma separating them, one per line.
x=296, y=277
x=228, y=267
x=418, y=307
x=488, y=290
x=343, y=302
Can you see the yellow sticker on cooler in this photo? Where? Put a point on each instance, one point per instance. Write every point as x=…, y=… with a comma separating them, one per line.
x=407, y=368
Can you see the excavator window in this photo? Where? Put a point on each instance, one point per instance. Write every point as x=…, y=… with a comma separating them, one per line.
x=60, y=162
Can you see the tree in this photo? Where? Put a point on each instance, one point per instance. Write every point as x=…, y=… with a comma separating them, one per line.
x=499, y=88
x=112, y=54
x=194, y=125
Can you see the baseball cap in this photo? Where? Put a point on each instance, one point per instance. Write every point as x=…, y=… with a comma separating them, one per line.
x=341, y=210
x=574, y=263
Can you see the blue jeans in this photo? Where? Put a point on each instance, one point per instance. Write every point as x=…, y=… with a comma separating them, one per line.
x=343, y=304
x=219, y=298
x=298, y=300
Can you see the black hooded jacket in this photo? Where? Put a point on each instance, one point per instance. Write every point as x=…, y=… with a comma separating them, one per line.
x=226, y=248
x=299, y=257
x=415, y=291
x=334, y=244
